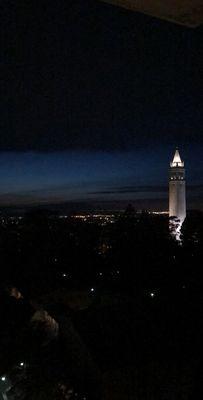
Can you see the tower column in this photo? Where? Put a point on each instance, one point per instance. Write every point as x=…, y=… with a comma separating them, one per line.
x=177, y=199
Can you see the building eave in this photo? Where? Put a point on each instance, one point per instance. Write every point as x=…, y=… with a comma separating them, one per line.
x=184, y=12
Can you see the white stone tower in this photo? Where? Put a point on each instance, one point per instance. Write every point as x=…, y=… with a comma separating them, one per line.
x=177, y=202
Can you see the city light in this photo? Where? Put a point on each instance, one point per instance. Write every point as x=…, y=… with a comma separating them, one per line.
x=93, y=191
x=159, y=212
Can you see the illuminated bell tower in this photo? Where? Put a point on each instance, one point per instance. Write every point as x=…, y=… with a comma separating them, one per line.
x=177, y=202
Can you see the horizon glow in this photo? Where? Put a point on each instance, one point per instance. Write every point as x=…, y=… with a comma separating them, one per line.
x=32, y=177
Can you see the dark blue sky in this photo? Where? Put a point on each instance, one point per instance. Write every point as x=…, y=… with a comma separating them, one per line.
x=38, y=178
x=96, y=99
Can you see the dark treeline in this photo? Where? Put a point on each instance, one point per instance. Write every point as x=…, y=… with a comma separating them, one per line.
x=38, y=249
x=142, y=309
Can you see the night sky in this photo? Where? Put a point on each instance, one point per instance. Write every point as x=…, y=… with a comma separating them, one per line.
x=95, y=100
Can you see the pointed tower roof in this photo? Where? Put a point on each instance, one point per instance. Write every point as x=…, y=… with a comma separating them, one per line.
x=176, y=158
x=177, y=162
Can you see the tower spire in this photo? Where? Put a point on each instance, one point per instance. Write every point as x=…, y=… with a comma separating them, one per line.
x=177, y=162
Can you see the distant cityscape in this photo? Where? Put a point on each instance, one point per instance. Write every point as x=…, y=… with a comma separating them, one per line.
x=101, y=200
